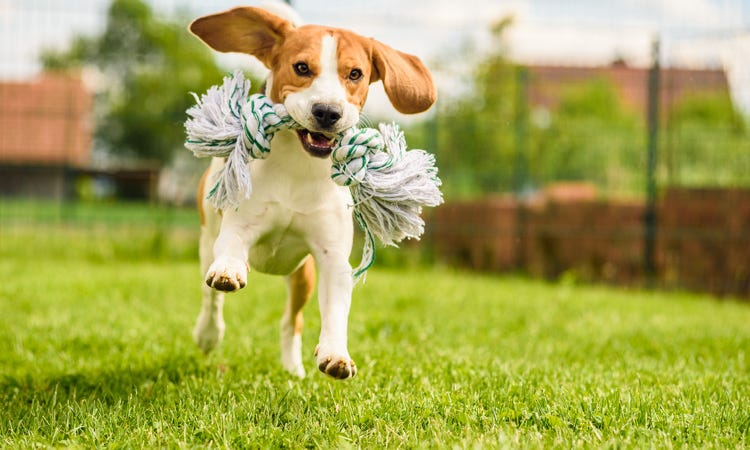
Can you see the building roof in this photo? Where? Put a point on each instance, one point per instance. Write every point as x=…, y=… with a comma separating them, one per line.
x=547, y=83
x=46, y=121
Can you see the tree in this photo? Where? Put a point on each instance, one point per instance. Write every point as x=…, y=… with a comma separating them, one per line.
x=707, y=142
x=475, y=133
x=591, y=137
x=149, y=66
x=489, y=143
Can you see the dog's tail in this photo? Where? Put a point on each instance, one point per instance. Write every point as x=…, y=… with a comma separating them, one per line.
x=283, y=10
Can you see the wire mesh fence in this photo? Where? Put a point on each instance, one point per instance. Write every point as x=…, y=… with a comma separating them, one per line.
x=533, y=128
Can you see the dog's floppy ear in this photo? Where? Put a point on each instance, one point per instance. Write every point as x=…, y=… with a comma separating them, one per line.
x=407, y=81
x=246, y=30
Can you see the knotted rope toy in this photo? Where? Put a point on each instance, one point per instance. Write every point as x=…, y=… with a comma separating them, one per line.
x=389, y=185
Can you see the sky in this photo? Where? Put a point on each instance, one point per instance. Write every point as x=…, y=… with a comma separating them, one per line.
x=693, y=33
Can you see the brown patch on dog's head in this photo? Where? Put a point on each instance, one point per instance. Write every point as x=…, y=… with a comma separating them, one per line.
x=279, y=45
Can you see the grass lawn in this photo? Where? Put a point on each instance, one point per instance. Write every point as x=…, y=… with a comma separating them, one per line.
x=95, y=350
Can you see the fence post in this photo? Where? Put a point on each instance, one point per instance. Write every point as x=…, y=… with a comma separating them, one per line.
x=521, y=119
x=650, y=218
x=520, y=177
x=433, y=145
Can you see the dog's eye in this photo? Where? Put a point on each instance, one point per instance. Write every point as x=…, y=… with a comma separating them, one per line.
x=301, y=69
x=355, y=74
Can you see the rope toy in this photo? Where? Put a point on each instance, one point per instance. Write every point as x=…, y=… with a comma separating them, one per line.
x=389, y=185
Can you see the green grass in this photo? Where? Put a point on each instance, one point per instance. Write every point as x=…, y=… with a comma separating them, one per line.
x=95, y=350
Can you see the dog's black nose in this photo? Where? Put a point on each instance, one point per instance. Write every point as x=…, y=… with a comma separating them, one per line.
x=326, y=115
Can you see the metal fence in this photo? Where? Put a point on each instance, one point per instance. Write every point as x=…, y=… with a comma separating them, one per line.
x=627, y=126
x=574, y=119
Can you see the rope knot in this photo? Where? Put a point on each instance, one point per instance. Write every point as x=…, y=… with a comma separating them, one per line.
x=227, y=122
x=352, y=156
x=261, y=119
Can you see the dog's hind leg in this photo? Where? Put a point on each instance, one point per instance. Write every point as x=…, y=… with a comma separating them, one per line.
x=209, y=328
x=300, y=287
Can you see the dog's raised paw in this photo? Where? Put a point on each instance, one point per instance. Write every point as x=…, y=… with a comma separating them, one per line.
x=227, y=276
x=339, y=367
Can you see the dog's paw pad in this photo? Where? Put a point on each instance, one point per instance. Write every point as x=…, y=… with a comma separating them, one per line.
x=227, y=277
x=338, y=367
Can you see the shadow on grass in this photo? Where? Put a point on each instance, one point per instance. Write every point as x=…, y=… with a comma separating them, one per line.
x=107, y=386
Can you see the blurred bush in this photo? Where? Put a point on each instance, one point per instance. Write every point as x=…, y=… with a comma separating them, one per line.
x=145, y=68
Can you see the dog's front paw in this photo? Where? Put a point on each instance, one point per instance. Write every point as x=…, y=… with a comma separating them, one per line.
x=227, y=274
x=335, y=364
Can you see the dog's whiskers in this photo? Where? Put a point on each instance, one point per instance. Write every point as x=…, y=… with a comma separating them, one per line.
x=364, y=121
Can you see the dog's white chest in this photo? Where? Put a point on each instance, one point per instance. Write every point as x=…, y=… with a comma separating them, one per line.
x=293, y=200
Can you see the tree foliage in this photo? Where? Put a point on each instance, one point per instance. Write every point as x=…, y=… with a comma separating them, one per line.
x=494, y=139
x=707, y=142
x=149, y=66
x=590, y=137
x=474, y=135
x=497, y=139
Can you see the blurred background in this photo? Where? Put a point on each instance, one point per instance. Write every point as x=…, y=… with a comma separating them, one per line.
x=602, y=141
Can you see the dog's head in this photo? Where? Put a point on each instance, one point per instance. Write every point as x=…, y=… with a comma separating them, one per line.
x=320, y=74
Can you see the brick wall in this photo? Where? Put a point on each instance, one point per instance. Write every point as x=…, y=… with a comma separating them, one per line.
x=703, y=238
x=481, y=235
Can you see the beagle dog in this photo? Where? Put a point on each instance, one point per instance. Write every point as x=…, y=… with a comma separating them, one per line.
x=297, y=217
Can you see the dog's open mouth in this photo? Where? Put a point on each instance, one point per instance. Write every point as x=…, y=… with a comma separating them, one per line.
x=316, y=144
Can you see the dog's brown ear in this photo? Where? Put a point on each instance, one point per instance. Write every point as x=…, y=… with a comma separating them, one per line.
x=407, y=81
x=246, y=30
